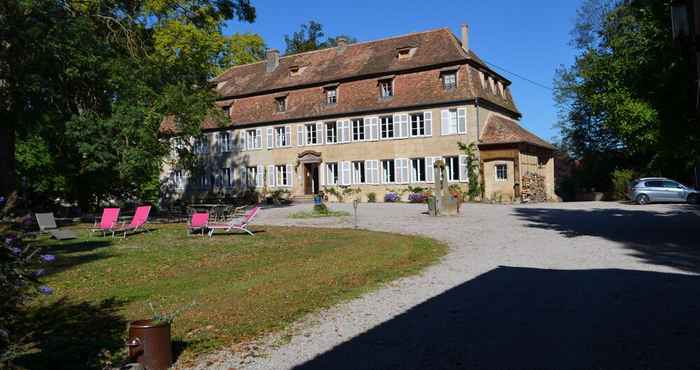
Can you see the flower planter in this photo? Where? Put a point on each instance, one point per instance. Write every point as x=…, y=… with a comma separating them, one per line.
x=149, y=344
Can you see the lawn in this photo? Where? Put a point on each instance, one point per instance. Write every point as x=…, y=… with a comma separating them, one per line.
x=244, y=286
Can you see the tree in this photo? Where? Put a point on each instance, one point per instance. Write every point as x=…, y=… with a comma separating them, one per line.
x=309, y=38
x=622, y=103
x=85, y=84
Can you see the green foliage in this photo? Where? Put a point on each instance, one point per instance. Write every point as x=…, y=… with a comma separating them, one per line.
x=309, y=38
x=320, y=208
x=161, y=316
x=87, y=85
x=625, y=102
x=475, y=188
x=371, y=197
x=621, y=180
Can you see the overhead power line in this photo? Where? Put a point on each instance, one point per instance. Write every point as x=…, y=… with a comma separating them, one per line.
x=521, y=77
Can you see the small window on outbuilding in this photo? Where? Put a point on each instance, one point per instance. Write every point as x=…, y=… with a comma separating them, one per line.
x=501, y=172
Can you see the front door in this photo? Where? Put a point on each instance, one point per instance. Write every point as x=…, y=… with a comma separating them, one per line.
x=311, y=184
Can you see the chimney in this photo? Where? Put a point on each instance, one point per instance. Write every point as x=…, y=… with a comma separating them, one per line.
x=465, y=37
x=272, y=59
x=341, y=41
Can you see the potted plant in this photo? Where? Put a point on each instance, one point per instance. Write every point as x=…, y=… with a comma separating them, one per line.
x=150, y=341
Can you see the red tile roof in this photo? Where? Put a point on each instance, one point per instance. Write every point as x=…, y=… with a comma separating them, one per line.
x=501, y=130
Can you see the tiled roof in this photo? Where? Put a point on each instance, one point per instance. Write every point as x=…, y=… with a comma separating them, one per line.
x=250, y=90
x=501, y=130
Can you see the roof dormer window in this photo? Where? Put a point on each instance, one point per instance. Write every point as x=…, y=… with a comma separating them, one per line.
x=294, y=71
x=405, y=53
x=281, y=104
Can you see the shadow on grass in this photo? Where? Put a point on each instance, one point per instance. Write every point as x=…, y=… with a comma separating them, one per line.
x=660, y=238
x=72, y=335
x=524, y=318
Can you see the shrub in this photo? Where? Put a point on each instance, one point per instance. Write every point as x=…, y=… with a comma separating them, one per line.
x=391, y=197
x=371, y=197
x=20, y=268
x=417, y=197
x=321, y=209
x=620, y=181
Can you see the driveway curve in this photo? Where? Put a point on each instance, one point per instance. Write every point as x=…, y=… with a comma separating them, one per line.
x=568, y=285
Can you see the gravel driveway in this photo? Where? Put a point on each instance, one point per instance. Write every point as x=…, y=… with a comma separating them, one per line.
x=569, y=285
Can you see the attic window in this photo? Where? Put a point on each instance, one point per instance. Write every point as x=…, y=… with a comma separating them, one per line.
x=281, y=103
x=227, y=110
x=294, y=71
x=405, y=53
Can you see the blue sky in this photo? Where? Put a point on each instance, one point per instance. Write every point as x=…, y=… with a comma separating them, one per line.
x=530, y=38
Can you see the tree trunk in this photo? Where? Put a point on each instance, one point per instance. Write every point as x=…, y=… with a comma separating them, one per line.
x=8, y=182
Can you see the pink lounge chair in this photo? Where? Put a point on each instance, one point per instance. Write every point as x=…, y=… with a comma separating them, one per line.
x=108, y=222
x=233, y=225
x=199, y=221
x=140, y=218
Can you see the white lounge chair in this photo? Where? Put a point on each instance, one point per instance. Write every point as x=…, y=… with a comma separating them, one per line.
x=233, y=225
x=47, y=224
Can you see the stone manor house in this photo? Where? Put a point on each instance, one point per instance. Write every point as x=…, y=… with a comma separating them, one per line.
x=373, y=115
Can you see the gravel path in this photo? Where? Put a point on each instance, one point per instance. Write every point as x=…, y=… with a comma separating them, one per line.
x=514, y=277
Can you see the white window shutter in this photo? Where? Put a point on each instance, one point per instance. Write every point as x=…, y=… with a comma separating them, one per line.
x=260, y=176
x=405, y=126
x=397, y=125
x=463, y=176
x=319, y=133
x=290, y=175
x=428, y=117
x=445, y=122
x=375, y=176
x=271, y=176
x=345, y=173
x=462, y=120
x=371, y=124
x=242, y=175
x=288, y=135
x=258, y=138
x=322, y=174
x=346, y=131
x=300, y=135
x=241, y=139
x=270, y=138
x=429, y=162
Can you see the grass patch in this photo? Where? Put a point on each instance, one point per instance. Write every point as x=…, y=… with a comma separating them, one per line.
x=245, y=286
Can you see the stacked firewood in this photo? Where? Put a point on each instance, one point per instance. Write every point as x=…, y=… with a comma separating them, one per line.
x=533, y=188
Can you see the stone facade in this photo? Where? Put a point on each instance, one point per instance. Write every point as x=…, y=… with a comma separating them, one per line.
x=286, y=135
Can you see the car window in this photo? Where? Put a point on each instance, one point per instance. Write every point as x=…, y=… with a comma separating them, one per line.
x=671, y=184
x=654, y=184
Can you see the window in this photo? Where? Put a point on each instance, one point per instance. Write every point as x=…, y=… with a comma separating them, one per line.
x=454, y=121
x=418, y=170
x=388, y=171
x=358, y=172
x=311, y=134
x=225, y=178
x=331, y=96
x=294, y=70
x=417, y=124
x=282, y=176
x=501, y=172
x=672, y=184
x=253, y=139
x=386, y=88
x=203, y=181
x=358, y=129
x=449, y=80
x=331, y=173
x=387, y=127
x=227, y=110
x=452, y=164
x=331, y=132
x=251, y=177
x=405, y=53
x=201, y=145
x=224, y=142
x=283, y=136
x=281, y=103
x=654, y=184
x=177, y=179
